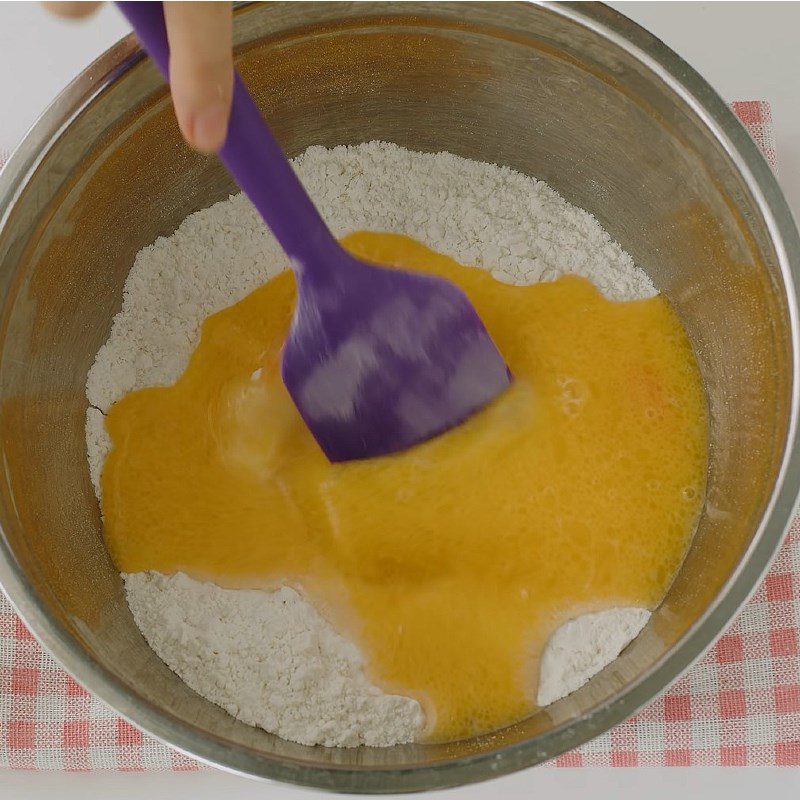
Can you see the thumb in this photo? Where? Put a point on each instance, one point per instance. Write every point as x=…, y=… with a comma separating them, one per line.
x=71, y=10
x=201, y=70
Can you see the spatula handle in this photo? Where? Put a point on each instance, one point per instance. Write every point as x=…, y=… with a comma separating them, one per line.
x=252, y=156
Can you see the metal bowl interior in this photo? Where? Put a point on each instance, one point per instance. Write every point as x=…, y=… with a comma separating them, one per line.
x=577, y=96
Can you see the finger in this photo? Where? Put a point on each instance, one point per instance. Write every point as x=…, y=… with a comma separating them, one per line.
x=71, y=10
x=201, y=70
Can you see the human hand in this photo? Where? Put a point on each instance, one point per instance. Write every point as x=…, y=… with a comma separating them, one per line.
x=200, y=65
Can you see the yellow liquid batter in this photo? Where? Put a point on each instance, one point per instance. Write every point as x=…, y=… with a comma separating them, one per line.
x=452, y=563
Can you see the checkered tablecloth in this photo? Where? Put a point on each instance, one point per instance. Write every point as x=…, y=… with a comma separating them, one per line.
x=740, y=705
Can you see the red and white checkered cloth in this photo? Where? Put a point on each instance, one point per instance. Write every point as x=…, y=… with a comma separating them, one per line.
x=739, y=706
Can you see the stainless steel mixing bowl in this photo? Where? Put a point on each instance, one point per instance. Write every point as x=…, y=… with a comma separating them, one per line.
x=576, y=95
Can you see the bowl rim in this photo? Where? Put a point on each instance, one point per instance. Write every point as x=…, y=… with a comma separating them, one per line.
x=698, y=95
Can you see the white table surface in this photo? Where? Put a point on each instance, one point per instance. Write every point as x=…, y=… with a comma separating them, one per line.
x=746, y=50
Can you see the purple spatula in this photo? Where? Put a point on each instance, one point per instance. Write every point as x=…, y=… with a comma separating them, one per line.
x=377, y=359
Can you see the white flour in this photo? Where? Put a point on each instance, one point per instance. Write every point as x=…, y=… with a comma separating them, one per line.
x=268, y=657
x=582, y=647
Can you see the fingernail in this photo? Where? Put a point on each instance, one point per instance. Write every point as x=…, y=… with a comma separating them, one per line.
x=209, y=128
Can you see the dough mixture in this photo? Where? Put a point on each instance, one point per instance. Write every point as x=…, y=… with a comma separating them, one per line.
x=439, y=575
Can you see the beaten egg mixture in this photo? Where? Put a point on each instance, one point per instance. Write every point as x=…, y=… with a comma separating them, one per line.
x=452, y=563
